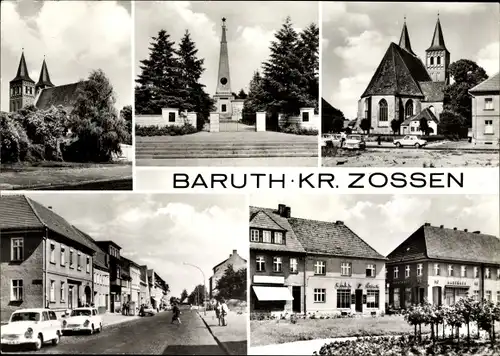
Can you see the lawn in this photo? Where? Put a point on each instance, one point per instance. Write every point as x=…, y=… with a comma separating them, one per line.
x=50, y=174
x=270, y=332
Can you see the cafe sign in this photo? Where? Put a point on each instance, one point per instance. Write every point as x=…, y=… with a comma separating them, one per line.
x=343, y=285
x=371, y=286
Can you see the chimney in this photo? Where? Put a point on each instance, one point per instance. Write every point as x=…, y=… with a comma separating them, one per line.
x=441, y=226
x=427, y=224
x=288, y=212
x=49, y=207
x=281, y=209
x=466, y=230
x=234, y=253
x=455, y=228
x=338, y=222
x=477, y=232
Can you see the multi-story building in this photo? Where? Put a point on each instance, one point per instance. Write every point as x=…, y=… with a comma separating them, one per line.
x=486, y=111
x=144, y=286
x=325, y=265
x=115, y=273
x=158, y=289
x=126, y=280
x=236, y=261
x=441, y=265
x=45, y=261
x=135, y=281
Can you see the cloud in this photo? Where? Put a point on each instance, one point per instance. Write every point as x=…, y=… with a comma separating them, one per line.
x=452, y=8
x=335, y=11
x=488, y=58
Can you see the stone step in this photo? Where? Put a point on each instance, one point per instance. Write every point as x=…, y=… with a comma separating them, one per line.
x=225, y=154
x=212, y=147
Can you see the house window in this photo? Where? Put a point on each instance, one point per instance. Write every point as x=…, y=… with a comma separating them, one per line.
x=345, y=269
x=498, y=296
x=412, y=128
x=223, y=108
x=17, y=245
x=52, y=253
x=305, y=117
x=320, y=267
x=386, y=272
x=16, y=292
x=87, y=268
x=63, y=256
x=498, y=275
x=437, y=271
x=319, y=295
x=266, y=236
x=487, y=273
x=407, y=271
x=476, y=272
x=476, y=295
x=409, y=108
x=487, y=295
x=118, y=272
x=438, y=59
x=488, y=127
x=407, y=297
x=278, y=238
x=420, y=268
x=343, y=298
x=397, y=300
x=52, y=291
x=382, y=110
x=370, y=270
x=260, y=263
x=63, y=291
x=366, y=105
x=293, y=265
x=396, y=272
x=71, y=259
x=79, y=261
x=277, y=264
x=372, y=299
x=171, y=117
x=254, y=235
x=450, y=270
x=463, y=271
x=488, y=104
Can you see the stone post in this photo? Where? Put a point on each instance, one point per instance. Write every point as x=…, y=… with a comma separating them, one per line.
x=260, y=119
x=214, y=122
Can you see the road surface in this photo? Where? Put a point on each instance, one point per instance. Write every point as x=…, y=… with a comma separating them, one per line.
x=148, y=335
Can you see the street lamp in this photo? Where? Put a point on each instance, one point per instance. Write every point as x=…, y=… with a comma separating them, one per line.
x=204, y=286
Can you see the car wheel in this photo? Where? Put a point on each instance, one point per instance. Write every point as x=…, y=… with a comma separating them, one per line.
x=398, y=144
x=57, y=339
x=417, y=145
x=39, y=342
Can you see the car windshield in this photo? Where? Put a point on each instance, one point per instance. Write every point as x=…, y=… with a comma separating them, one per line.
x=25, y=316
x=81, y=312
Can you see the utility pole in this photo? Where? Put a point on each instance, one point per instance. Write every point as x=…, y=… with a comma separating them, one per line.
x=204, y=287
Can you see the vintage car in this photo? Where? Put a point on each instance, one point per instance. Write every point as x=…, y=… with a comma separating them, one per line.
x=330, y=140
x=84, y=319
x=410, y=140
x=355, y=142
x=148, y=311
x=32, y=327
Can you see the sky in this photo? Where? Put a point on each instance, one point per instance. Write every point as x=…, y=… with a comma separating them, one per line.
x=75, y=37
x=355, y=37
x=384, y=221
x=250, y=29
x=163, y=231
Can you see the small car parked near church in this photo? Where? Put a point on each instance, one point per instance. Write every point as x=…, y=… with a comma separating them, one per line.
x=84, y=319
x=32, y=327
x=410, y=140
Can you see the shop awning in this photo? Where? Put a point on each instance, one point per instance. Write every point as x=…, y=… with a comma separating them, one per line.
x=272, y=293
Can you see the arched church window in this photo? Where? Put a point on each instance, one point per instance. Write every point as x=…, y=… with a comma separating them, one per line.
x=409, y=108
x=382, y=110
x=365, y=109
x=438, y=60
x=432, y=60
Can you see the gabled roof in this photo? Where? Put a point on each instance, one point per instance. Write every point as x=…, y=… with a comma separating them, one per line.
x=437, y=39
x=263, y=220
x=227, y=259
x=22, y=71
x=100, y=256
x=130, y=262
x=426, y=113
x=399, y=73
x=292, y=243
x=64, y=95
x=491, y=84
x=330, y=238
x=19, y=212
x=404, y=40
x=44, y=79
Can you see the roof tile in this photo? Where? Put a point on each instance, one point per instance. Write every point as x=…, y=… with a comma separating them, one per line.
x=491, y=84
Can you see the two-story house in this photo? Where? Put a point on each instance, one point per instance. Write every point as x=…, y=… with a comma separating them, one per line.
x=441, y=265
x=45, y=261
x=277, y=261
x=144, y=286
x=486, y=111
x=115, y=270
x=234, y=260
x=135, y=281
x=126, y=279
x=158, y=289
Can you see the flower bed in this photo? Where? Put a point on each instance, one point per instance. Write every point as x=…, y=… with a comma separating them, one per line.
x=165, y=131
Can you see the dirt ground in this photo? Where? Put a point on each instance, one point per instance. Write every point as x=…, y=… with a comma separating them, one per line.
x=412, y=158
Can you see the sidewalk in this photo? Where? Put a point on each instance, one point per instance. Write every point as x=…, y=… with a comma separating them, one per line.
x=231, y=338
x=109, y=319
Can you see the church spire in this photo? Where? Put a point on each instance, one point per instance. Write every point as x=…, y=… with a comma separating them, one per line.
x=438, y=38
x=223, y=82
x=44, y=80
x=404, y=40
x=22, y=70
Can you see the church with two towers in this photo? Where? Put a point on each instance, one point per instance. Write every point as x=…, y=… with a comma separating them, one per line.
x=404, y=88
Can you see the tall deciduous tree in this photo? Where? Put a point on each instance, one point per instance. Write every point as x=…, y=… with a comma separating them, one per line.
x=233, y=285
x=332, y=119
x=184, y=295
x=126, y=114
x=197, y=295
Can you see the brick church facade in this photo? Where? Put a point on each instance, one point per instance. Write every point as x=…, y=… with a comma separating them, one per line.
x=404, y=88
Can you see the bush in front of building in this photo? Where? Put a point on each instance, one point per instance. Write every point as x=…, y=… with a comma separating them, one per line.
x=185, y=129
x=297, y=130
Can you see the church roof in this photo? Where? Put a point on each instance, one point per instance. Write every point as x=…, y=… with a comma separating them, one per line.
x=399, y=73
x=491, y=84
x=64, y=95
x=426, y=113
x=44, y=79
x=22, y=71
x=433, y=91
x=437, y=39
x=404, y=40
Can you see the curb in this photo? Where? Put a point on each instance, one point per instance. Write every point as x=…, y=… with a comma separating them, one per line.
x=95, y=184
x=121, y=321
x=221, y=345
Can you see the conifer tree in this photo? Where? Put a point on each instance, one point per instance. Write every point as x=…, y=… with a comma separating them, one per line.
x=308, y=48
x=255, y=100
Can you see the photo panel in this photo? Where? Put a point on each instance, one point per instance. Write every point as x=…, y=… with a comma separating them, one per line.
x=168, y=269
x=410, y=85
x=226, y=83
x=66, y=95
x=339, y=274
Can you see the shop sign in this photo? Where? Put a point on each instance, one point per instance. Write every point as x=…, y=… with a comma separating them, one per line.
x=371, y=286
x=456, y=283
x=343, y=285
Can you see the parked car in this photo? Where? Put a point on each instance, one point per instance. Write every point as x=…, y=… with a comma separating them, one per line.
x=410, y=140
x=149, y=311
x=355, y=142
x=330, y=140
x=85, y=319
x=32, y=327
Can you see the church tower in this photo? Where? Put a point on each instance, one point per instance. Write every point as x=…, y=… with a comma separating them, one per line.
x=223, y=95
x=404, y=40
x=22, y=87
x=44, y=80
x=437, y=59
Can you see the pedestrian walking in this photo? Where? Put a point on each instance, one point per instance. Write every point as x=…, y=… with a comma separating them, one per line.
x=343, y=137
x=217, y=311
x=224, y=309
x=176, y=312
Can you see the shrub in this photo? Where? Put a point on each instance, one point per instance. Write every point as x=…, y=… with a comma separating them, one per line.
x=12, y=136
x=297, y=130
x=185, y=129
